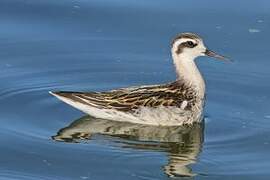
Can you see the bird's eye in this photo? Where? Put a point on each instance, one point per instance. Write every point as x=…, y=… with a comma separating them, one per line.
x=190, y=44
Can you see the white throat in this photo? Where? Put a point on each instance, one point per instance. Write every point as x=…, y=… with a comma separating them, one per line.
x=188, y=72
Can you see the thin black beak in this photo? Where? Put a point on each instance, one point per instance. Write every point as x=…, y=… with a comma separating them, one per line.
x=215, y=55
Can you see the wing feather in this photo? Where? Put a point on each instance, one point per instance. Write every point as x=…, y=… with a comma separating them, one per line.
x=129, y=99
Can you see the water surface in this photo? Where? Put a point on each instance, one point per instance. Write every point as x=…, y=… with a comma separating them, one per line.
x=90, y=45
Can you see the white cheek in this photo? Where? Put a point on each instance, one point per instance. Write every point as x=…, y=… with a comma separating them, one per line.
x=201, y=49
x=192, y=52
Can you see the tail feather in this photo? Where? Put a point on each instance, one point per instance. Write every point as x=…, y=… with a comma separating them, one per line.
x=77, y=97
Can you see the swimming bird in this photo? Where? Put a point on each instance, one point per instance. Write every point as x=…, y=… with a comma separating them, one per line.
x=175, y=103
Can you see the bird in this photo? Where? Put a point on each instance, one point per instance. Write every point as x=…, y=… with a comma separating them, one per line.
x=176, y=103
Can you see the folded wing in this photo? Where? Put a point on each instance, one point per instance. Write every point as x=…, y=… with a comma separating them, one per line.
x=130, y=99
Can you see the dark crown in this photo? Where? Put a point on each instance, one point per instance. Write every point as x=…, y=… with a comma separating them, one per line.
x=186, y=35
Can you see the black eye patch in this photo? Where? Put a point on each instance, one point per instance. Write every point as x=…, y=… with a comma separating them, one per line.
x=189, y=44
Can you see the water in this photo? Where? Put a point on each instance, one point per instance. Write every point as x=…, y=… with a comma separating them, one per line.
x=100, y=45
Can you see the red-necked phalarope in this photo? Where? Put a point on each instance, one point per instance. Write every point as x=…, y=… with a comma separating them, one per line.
x=177, y=103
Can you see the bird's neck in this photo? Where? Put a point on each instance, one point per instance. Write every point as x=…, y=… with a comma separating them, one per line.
x=188, y=72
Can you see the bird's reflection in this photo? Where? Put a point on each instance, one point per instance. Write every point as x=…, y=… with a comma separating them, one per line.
x=182, y=143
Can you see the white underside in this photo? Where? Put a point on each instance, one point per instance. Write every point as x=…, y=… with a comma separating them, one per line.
x=161, y=116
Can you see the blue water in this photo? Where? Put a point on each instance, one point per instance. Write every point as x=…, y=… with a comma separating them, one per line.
x=95, y=45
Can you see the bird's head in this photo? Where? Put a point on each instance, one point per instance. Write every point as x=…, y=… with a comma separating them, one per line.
x=190, y=46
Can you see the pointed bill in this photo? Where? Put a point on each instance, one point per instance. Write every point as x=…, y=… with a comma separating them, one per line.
x=215, y=55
